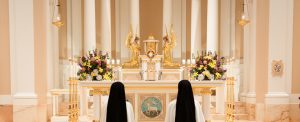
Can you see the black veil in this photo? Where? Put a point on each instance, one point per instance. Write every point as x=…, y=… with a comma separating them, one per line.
x=185, y=106
x=116, y=106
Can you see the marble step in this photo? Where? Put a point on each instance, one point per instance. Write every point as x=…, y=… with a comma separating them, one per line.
x=222, y=116
x=240, y=108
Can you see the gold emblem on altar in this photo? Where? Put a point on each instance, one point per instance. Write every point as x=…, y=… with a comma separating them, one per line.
x=277, y=68
x=133, y=44
x=168, y=45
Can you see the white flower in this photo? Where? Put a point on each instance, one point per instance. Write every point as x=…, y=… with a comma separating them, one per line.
x=95, y=71
x=200, y=77
x=99, y=77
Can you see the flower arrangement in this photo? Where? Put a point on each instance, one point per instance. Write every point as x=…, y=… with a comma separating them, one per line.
x=94, y=66
x=208, y=67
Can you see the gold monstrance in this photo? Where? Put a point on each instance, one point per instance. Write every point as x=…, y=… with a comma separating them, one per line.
x=151, y=46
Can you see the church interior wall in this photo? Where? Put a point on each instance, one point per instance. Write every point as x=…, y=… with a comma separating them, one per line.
x=151, y=23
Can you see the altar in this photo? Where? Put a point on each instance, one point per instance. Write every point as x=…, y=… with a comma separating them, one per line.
x=151, y=80
x=150, y=94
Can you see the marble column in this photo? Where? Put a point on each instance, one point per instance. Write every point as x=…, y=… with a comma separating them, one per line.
x=135, y=16
x=250, y=55
x=22, y=56
x=196, y=27
x=105, y=26
x=225, y=27
x=246, y=66
x=167, y=15
x=76, y=7
x=89, y=25
x=212, y=25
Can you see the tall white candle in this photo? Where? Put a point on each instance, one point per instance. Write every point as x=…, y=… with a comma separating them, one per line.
x=193, y=61
x=188, y=61
x=118, y=61
x=112, y=62
x=183, y=61
x=108, y=61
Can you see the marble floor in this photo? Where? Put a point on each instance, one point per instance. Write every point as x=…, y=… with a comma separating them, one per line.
x=25, y=114
x=41, y=113
x=9, y=113
x=6, y=112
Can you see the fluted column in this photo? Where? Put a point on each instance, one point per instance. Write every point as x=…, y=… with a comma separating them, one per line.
x=225, y=27
x=196, y=26
x=105, y=26
x=212, y=25
x=89, y=25
x=167, y=15
x=135, y=16
x=250, y=55
x=245, y=79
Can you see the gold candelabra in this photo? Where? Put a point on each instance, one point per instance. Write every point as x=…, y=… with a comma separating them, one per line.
x=73, y=100
x=230, y=99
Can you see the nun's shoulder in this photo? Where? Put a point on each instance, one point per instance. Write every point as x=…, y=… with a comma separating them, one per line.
x=197, y=103
x=173, y=102
x=128, y=103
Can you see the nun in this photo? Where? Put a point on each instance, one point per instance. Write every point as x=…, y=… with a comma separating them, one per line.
x=184, y=108
x=116, y=108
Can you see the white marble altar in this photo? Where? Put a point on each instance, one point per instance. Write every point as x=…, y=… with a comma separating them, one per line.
x=164, y=91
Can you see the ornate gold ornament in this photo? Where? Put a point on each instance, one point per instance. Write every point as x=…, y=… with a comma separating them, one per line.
x=169, y=44
x=150, y=54
x=133, y=44
x=277, y=68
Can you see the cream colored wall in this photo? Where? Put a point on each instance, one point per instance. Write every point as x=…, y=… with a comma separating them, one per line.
x=262, y=32
x=4, y=49
x=296, y=49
